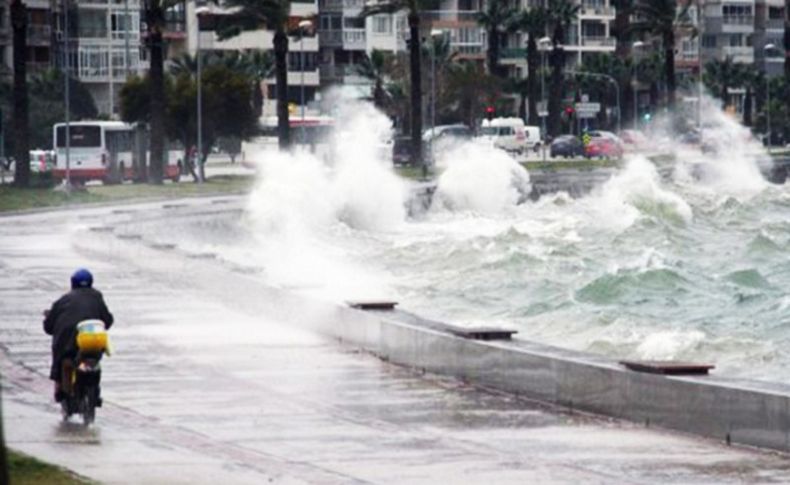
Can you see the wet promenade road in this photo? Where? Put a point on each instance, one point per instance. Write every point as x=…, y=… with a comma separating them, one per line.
x=203, y=390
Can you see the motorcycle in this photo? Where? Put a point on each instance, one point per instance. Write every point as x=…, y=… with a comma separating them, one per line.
x=82, y=375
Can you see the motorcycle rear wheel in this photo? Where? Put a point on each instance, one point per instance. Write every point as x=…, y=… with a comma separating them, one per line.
x=88, y=408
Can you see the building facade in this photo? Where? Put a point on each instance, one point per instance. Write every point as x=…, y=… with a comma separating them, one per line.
x=103, y=46
x=303, y=71
x=39, y=37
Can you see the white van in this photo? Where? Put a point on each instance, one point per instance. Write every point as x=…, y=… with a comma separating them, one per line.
x=509, y=134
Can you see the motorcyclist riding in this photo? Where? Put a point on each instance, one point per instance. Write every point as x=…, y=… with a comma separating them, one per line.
x=83, y=302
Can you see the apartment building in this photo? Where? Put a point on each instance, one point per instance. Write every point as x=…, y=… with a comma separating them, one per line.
x=769, y=31
x=345, y=38
x=728, y=30
x=303, y=72
x=103, y=46
x=39, y=37
x=590, y=34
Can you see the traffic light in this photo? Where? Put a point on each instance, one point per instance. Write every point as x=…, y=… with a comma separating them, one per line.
x=569, y=110
x=647, y=117
x=490, y=113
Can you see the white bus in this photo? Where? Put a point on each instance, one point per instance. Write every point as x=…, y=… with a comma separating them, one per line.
x=313, y=134
x=101, y=150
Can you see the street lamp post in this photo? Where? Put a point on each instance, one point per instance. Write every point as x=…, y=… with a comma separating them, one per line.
x=66, y=88
x=434, y=34
x=199, y=155
x=701, y=27
x=636, y=46
x=766, y=49
x=543, y=45
x=303, y=26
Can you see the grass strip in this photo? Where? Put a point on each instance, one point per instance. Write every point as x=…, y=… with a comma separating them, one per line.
x=17, y=199
x=25, y=470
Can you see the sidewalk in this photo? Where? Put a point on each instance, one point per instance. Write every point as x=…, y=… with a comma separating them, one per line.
x=201, y=392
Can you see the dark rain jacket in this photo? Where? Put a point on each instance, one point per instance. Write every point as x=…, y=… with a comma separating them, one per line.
x=61, y=322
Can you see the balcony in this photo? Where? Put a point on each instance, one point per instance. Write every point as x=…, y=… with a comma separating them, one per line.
x=340, y=5
x=354, y=39
x=39, y=34
x=598, y=41
x=739, y=53
x=449, y=16
x=774, y=24
x=330, y=38
x=597, y=11
x=341, y=74
x=738, y=20
x=513, y=53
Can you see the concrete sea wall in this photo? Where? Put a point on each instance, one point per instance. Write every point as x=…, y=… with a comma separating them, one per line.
x=732, y=410
x=737, y=411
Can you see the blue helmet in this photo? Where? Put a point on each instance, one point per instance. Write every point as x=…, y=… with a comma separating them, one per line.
x=82, y=278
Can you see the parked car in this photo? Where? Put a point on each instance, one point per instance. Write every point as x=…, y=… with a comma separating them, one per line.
x=603, y=147
x=458, y=130
x=634, y=140
x=533, y=140
x=443, y=137
x=566, y=146
x=509, y=134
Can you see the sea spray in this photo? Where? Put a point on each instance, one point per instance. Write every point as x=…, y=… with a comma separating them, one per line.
x=306, y=211
x=480, y=178
x=367, y=193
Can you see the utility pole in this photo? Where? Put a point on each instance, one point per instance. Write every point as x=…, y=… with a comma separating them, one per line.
x=67, y=89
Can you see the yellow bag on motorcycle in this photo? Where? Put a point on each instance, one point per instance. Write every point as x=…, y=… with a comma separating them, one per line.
x=92, y=337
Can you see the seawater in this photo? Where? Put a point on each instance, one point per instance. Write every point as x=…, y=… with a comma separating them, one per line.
x=688, y=261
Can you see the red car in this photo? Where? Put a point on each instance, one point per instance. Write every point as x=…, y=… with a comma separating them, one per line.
x=603, y=148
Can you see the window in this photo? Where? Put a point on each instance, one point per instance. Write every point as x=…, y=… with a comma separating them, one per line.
x=118, y=140
x=80, y=136
x=295, y=60
x=120, y=24
x=92, y=61
x=331, y=22
x=776, y=13
x=382, y=24
x=593, y=29
x=737, y=14
x=709, y=41
x=353, y=23
x=469, y=35
x=93, y=23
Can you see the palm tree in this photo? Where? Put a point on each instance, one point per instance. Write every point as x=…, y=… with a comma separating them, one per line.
x=21, y=122
x=786, y=42
x=471, y=88
x=561, y=13
x=621, y=29
x=660, y=18
x=649, y=71
x=413, y=9
x=720, y=75
x=374, y=68
x=259, y=65
x=748, y=78
x=533, y=23
x=154, y=13
x=609, y=65
x=251, y=14
x=494, y=19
